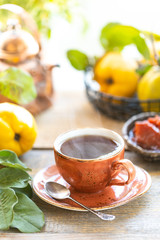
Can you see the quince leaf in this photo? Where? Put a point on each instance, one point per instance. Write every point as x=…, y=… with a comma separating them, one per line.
x=9, y=159
x=142, y=69
x=104, y=40
x=17, y=85
x=78, y=59
x=28, y=218
x=26, y=190
x=7, y=201
x=12, y=177
x=115, y=36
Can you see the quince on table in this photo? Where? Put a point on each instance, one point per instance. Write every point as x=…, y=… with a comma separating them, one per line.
x=116, y=75
x=18, y=128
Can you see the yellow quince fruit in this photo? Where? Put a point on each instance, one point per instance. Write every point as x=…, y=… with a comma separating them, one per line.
x=116, y=75
x=149, y=88
x=18, y=128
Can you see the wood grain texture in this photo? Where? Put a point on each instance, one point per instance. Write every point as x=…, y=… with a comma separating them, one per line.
x=89, y=236
x=138, y=219
x=70, y=110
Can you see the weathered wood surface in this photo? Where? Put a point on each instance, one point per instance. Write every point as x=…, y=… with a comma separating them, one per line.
x=70, y=110
x=138, y=219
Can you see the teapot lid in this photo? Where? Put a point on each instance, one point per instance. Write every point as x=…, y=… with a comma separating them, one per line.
x=16, y=44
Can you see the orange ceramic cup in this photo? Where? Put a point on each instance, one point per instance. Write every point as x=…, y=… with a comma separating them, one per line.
x=93, y=175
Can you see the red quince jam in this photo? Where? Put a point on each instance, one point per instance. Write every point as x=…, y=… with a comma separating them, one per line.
x=147, y=133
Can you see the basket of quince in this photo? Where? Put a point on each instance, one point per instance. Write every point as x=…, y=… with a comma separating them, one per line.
x=117, y=86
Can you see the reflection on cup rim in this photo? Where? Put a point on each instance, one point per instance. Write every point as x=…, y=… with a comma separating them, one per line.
x=89, y=131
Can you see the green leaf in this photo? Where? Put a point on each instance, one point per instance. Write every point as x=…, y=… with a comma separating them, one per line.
x=26, y=190
x=142, y=46
x=10, y=159
x=49, y=32
x=28, y=217
x=78, y=59
x=17, y=85
x=142, y=69
x=103, y=37
x=7, y=201
x=12, y=177
x=115, y=36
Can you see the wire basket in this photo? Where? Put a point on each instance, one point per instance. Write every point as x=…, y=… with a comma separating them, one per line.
x=121, y=108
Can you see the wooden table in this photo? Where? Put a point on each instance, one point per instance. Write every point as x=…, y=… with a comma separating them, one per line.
x=138, y=219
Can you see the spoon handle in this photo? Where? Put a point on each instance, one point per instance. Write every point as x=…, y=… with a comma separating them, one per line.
x=101, y=215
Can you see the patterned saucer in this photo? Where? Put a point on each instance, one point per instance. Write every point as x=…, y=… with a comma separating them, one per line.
x=110, y=197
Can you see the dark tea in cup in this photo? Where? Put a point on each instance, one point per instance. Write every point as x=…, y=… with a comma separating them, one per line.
x=88, y=146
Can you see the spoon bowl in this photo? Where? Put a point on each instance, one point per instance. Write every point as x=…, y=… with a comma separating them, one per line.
x=58, y=191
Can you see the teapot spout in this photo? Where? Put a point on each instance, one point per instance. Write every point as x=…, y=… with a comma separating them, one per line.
x=51, y=66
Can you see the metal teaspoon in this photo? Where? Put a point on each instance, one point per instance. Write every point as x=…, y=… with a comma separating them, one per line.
x=58, y=191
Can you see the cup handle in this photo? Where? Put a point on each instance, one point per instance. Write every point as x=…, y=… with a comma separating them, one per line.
x=117, y=166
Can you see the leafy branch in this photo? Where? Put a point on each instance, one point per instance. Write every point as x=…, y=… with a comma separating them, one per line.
x=17, y=210
x=114, y=37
